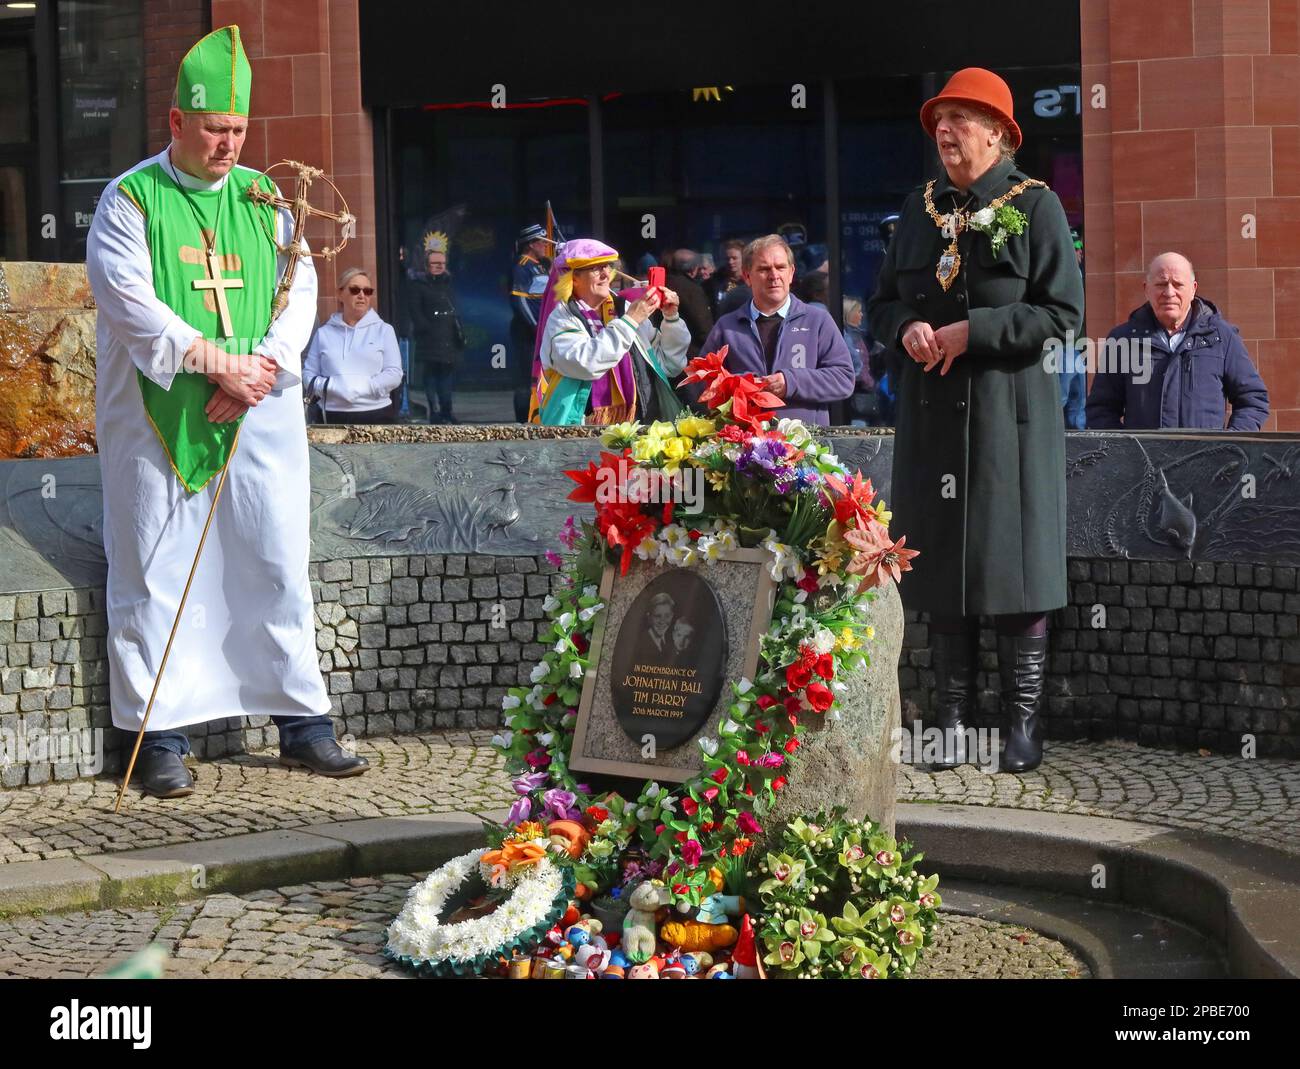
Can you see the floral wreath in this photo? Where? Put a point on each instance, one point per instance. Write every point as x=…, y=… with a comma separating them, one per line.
x=538, y=894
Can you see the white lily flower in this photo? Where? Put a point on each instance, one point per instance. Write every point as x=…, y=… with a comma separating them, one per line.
x=590, y=590
x=550, y=603
x=510, y=701
x=644, y=813
x=708, y=745
x=538, y=673
x=589, y=612
x=503, y=741
x=652, y=791
x=575, y=669
x=545, y=738
x=565, y=621
x=744, y=686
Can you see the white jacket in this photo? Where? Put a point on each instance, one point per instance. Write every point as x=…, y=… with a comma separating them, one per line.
x=575, y=354
x=352, y=369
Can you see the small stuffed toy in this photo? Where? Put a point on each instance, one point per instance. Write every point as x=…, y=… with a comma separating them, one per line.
x=717, y=908
x=581, y=933
x=692, y=935
x=639, y=925
x=647, y=971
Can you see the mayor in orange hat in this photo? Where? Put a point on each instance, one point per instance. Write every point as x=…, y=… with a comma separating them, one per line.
x=979, y=279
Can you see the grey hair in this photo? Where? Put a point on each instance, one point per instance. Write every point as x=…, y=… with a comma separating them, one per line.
x=350, y=274
x=767, y=241
x=988, y=119
x=851, y=305
x=1152, y=265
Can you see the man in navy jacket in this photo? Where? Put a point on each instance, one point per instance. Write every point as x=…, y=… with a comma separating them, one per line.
x=795, y=348
x=1181, y=363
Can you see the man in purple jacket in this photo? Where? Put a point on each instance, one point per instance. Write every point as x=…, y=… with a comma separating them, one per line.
x=795, y=348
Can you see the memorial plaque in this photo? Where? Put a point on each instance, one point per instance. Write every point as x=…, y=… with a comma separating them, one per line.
x=662, y=654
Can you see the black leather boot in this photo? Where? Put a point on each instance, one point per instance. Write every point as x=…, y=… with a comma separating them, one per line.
x=955, y=661
x=161, y=773
x=325, y=757
x=1021, y=663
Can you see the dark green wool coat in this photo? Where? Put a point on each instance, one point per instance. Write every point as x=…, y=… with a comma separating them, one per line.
x=979, y=454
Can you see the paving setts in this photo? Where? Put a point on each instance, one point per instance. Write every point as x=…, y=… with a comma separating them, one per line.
x=1256, y=800
x=443, y=772
x=336, y=929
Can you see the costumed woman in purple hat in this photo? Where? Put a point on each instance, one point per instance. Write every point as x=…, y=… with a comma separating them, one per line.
x=600, y=358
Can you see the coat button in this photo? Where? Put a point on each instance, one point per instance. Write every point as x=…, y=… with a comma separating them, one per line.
x=925, y=402
x=961, y=298
x=961, y=405
x=920, y=296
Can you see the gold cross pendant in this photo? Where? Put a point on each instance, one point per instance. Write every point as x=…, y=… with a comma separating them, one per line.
x=218, y=286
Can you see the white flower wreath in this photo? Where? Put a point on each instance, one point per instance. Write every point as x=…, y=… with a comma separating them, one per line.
x=418, y=933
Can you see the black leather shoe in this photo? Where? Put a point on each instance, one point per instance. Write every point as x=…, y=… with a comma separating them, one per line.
x=955, y=661
x=1021, y=662
x=162, y=773
x=324, y=757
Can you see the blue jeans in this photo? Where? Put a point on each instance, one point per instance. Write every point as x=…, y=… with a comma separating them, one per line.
x=1074, y=396
x=295, y=733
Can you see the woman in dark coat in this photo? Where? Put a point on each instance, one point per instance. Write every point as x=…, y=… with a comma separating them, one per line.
x=980, y=274
x=437, y=334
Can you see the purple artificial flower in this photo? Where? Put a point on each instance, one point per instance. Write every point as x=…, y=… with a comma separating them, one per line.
x=569, y=534
x=553, y=558
x=520, y=811
x=692, y=853
x=583, y=788
x=559, y=805
x=771, y=760
x=747, y=824
x=530, y=782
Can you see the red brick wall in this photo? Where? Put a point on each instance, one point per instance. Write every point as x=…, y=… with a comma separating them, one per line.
x=170, y=28
x=1198, y=144
x=306, y=105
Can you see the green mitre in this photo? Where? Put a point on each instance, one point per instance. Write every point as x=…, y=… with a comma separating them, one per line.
x=215, y=77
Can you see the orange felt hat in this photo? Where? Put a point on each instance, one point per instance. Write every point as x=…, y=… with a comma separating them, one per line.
x=975, y=85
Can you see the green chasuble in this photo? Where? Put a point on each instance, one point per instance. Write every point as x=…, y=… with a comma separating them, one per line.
x=176, y=221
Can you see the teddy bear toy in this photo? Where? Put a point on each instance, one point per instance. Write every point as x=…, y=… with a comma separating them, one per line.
x=638, y=942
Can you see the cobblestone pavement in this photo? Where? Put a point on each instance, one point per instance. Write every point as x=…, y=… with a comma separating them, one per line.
x=336, y=929
x=1257, y=800
x=434, y=773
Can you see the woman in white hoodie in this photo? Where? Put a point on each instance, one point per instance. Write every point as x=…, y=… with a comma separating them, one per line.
x=353, y=363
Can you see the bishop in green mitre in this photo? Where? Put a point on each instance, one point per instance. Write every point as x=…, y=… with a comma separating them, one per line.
x=184, y=267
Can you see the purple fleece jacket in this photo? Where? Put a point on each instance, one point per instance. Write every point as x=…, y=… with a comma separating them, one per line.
x=810, y=352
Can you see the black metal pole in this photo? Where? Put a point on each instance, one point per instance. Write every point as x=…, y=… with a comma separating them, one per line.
x=48, y=244
x=596, y=150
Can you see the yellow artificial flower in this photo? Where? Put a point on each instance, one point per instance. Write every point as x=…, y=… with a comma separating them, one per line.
x=883, y=514
x=675, y=450
x=660, y=429
x=847, y=640
x=646, y=449
x=696, y=426
x=618, y=435
x=717, y=479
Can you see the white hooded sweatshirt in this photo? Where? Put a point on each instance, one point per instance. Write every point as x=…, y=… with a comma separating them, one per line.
x=353, y=369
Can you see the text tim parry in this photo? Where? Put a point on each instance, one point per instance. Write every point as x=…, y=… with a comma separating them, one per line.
x=76, y=1021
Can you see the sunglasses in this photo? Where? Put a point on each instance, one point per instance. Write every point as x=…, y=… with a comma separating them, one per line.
x=369, y=291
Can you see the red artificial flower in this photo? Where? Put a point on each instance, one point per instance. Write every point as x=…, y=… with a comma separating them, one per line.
x=797, y=676
x=593, y=485
x=745, y=392
x=761, y=728
x=550, y=699
x=624, y=524
x=826, y=666
x=749, y=790
x=746, y=823
x=793, y=704
x=680, y=837
x=719, y=774
x=794, y=721
x=694, y=535
x=742, y=757
x=598, y=813
x=809, y=581
x=791, y=744
x=681, y=889
x=710, y=793
x=807, y=657
x=581, y=643
x=820, y=697
x=765, y=701
x=659, y=828
x=852, y=499
x=690, y=806
x=709, y=826
x=778, y=783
